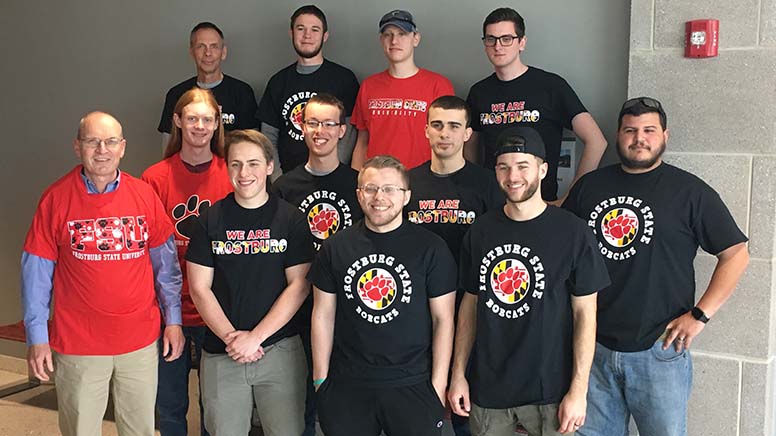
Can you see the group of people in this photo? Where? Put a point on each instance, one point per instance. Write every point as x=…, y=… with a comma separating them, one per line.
x=412, y=256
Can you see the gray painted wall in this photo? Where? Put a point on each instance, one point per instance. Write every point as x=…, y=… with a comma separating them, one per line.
x=61, y=59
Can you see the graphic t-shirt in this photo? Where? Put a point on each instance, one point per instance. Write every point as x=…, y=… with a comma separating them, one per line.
x=537, y=99
x=104, y=299
x=235, y=100
x=448, y=204
x=287, y=94
x=524, y=274
x=383, y=281
x=649, y=227
x=394, y=112
x=249, y=250
x=185, y=196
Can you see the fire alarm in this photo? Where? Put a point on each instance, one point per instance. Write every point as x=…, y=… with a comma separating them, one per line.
x=701, y=38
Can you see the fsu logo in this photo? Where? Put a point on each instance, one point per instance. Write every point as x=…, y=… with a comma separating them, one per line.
x=377, y=288
x=110, y=234
x=324, y=220
x=619, y=227
x=510, y=281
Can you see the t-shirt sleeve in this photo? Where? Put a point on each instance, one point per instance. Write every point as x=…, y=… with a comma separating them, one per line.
x=248, y=117
x=444, y=87
x=571, y=105
x=589, y=274
x=466, y=279
x=441, y=270
x=161, y=222
x=320, y=274
x=360, y=108
x=571, y=203
x=475, y=117
x=300, y=241
x=42, y=236
x=713, y=225
x=350, y=93
x=267, y=112
x=199, y=250
x=165, y=122
x=496, y=197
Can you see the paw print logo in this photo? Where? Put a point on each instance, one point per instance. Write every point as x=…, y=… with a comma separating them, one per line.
x=377, y=288
x=185, y=215
x=324, y=220
x=510, y=281
x=619, y=227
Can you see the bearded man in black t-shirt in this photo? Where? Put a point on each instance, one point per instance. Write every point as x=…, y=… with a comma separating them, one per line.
x=650, y=218
x=382, y=325
x=531, y=273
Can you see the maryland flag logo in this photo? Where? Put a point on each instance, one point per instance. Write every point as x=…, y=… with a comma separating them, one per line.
x=510, y=281
x=324, y=220
x=619, y=227
x=296, y=115
x=377, y=288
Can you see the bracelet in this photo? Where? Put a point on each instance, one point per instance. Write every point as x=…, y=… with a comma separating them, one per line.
x=318, y=382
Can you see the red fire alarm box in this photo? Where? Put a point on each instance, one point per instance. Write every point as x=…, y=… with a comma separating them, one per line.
x=701, y=38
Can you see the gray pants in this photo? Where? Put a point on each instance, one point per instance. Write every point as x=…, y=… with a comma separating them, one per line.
x=276, y=383
x=538, y=420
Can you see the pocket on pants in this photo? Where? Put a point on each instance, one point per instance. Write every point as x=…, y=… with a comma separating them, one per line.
x=668, y=355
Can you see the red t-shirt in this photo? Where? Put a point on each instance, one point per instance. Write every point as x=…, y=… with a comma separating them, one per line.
x=185, y=195
x=394, y=112
x=104, y=299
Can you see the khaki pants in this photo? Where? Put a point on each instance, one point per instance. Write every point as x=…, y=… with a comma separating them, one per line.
x=276, y=382
x=82, y=384
x=538, y=420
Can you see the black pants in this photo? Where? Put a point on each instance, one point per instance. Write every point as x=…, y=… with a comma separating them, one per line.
x=348, y=410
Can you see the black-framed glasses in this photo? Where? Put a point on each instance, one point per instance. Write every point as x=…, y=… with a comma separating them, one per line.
x=94, y=143
x=313, y=124
x=645, y=101
x=505, y=40
x=372, y=190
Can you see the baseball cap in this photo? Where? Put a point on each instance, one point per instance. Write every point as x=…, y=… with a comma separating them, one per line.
x=520, y=140
x=399, y=18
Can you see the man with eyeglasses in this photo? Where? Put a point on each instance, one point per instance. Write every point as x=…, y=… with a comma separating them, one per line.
x=288, y=91
x=235, y=98
x=391, y=106
x=382, y=325
x=324, y=189
x=518, y=94
x=531, y=273
x=650, y=218
x=101, y=246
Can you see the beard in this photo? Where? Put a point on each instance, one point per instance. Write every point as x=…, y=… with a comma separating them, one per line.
x=640, y=164
x=529, y=192
x=308, y=54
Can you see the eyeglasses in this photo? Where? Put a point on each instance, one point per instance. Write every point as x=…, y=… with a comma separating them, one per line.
x=192, y=120
x=371, y=190
x=646, y=101
x=505, y=40
x=94, y=143
x=313, y=124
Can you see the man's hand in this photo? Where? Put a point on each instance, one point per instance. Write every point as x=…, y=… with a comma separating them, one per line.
x=682, y=331
x=172, y=342
x=571, y=412
x=39, y=361
x=243, y=346
x=458, y=395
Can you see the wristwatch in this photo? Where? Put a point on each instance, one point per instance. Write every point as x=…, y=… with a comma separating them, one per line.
x=698, y=314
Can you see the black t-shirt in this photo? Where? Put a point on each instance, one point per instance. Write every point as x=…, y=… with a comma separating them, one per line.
x=524, y=274
x=249, y=250
x=383, y=281
x=328, y=202
x=235, y=98
x=537, y=99
x=448, y=204
x=284, y=99
x=649, y=227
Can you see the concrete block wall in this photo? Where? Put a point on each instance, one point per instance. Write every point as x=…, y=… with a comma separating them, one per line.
x=722, y=119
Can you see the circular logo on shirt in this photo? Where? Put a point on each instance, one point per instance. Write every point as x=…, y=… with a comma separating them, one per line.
x=296, y=115
x=324, y=220
x=623, y=225
x=377, y=288
x=510, y=281
x=619, y=226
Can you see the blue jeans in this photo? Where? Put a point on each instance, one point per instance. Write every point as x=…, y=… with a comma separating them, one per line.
x=172, y=396
x=652, y=385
